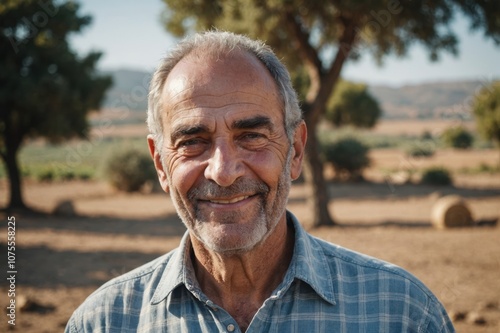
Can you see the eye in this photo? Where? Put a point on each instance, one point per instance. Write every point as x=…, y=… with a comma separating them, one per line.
x=192, y=147
x=190, y=142
x=253, y=140
x=253, y=136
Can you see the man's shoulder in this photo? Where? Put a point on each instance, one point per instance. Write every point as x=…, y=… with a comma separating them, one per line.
x=362, y=276
x=135, y=287
x=352, y=265
x=140, y=276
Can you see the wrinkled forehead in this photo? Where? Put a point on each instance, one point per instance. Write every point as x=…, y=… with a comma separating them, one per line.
x=233, y=75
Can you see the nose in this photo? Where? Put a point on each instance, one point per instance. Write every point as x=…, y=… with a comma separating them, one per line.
x=224, y=165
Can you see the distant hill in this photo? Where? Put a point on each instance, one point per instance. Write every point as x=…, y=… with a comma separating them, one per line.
x=130, y=90
x=428, y=100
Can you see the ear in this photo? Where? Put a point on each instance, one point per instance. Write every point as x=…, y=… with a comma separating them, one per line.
x=298, y=145
x=155, y=154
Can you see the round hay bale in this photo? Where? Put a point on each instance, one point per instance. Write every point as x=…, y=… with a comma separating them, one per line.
x=451, y=211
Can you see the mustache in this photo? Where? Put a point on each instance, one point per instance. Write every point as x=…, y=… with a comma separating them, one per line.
x=210, y=189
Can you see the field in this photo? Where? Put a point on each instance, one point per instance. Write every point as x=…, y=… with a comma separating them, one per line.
x=62, y=259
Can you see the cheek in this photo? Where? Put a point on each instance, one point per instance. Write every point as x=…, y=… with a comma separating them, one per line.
x=183, y=174
x=267, y=165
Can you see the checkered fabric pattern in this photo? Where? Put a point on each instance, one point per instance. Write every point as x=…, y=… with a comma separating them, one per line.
x=327, y=288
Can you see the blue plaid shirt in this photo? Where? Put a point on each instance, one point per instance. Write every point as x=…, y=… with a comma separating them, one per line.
x=327, y=288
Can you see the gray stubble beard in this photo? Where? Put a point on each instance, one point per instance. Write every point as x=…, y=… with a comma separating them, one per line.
x=266, y=220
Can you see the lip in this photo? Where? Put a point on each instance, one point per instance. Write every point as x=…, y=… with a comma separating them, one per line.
x=228, y=202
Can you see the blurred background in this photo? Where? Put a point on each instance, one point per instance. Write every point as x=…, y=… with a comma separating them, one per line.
x=402, y=101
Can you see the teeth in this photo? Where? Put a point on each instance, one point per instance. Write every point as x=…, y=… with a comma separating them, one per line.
x=229, y=201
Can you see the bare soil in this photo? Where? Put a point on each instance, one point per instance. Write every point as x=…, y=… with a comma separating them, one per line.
x=61, y=259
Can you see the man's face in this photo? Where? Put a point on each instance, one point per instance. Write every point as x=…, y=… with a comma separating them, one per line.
x=226, y=156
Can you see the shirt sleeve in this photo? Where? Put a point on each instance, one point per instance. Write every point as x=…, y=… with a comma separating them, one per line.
x=439, y=319
x=70, y=326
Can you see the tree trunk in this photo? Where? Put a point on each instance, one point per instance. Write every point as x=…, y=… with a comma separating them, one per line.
x=321, y=86
x=16, y=201
x=12, y=138
x=319, y=198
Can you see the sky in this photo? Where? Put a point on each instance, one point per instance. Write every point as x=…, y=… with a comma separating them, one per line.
x=131, y=36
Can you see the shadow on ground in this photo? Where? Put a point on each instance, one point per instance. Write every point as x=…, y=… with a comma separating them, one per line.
x=48, y=268
x=163, y=226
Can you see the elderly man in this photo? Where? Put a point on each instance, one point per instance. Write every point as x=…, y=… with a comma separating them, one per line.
x=227, y=138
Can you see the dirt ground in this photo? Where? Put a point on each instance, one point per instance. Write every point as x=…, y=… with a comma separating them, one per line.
x=60, y=260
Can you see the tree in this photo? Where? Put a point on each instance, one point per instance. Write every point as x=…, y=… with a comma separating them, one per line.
x=349, y=157
x=457, y=137
x=352, y=104
x=46, y=89
x=486, y=108
x=320, y=36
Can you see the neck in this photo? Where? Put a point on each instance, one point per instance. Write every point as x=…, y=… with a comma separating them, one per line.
x=241, y=282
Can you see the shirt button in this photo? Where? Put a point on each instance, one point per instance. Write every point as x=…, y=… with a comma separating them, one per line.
x=230, y=328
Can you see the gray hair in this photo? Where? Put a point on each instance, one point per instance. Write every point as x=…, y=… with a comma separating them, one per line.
x=216, y=43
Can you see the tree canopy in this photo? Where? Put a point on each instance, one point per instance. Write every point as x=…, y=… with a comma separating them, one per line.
x=320, y=36
x=46, y=88
x=486, y=110
x=352, y=104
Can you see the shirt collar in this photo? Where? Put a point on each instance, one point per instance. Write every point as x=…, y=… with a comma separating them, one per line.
x=309, y=264
x=179, y=270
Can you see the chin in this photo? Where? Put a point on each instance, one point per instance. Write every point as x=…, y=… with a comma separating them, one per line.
x=232, y=239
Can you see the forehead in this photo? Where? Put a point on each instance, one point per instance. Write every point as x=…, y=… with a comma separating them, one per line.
x=209, y=86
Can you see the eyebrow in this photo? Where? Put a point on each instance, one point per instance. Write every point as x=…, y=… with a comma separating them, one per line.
x=187, y=130
x=252, y=123
x=241, y=124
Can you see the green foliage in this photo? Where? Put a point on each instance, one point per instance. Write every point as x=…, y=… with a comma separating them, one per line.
x=48, y=172
x=348, y=156
x=373, y=140
x=483, y=168
x=130, y=169
x=47, y=90
x=486, y=110
x=71, y=160
x=457, y=137
x=436, y=176
x=418, y=150
x=45, y=175
x=382, y=27
x=352, y=104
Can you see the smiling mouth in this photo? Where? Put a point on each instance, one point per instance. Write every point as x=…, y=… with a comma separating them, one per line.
x=228, y=201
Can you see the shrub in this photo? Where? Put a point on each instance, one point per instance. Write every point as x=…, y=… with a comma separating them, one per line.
x=85, y=174
x=481, y=169
x=426, y=135
x=348, y=156
x=45, y=175
x=67, y=175
x=457, y=137
x=128, y=170
x=419, y=151
x=436, y=176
